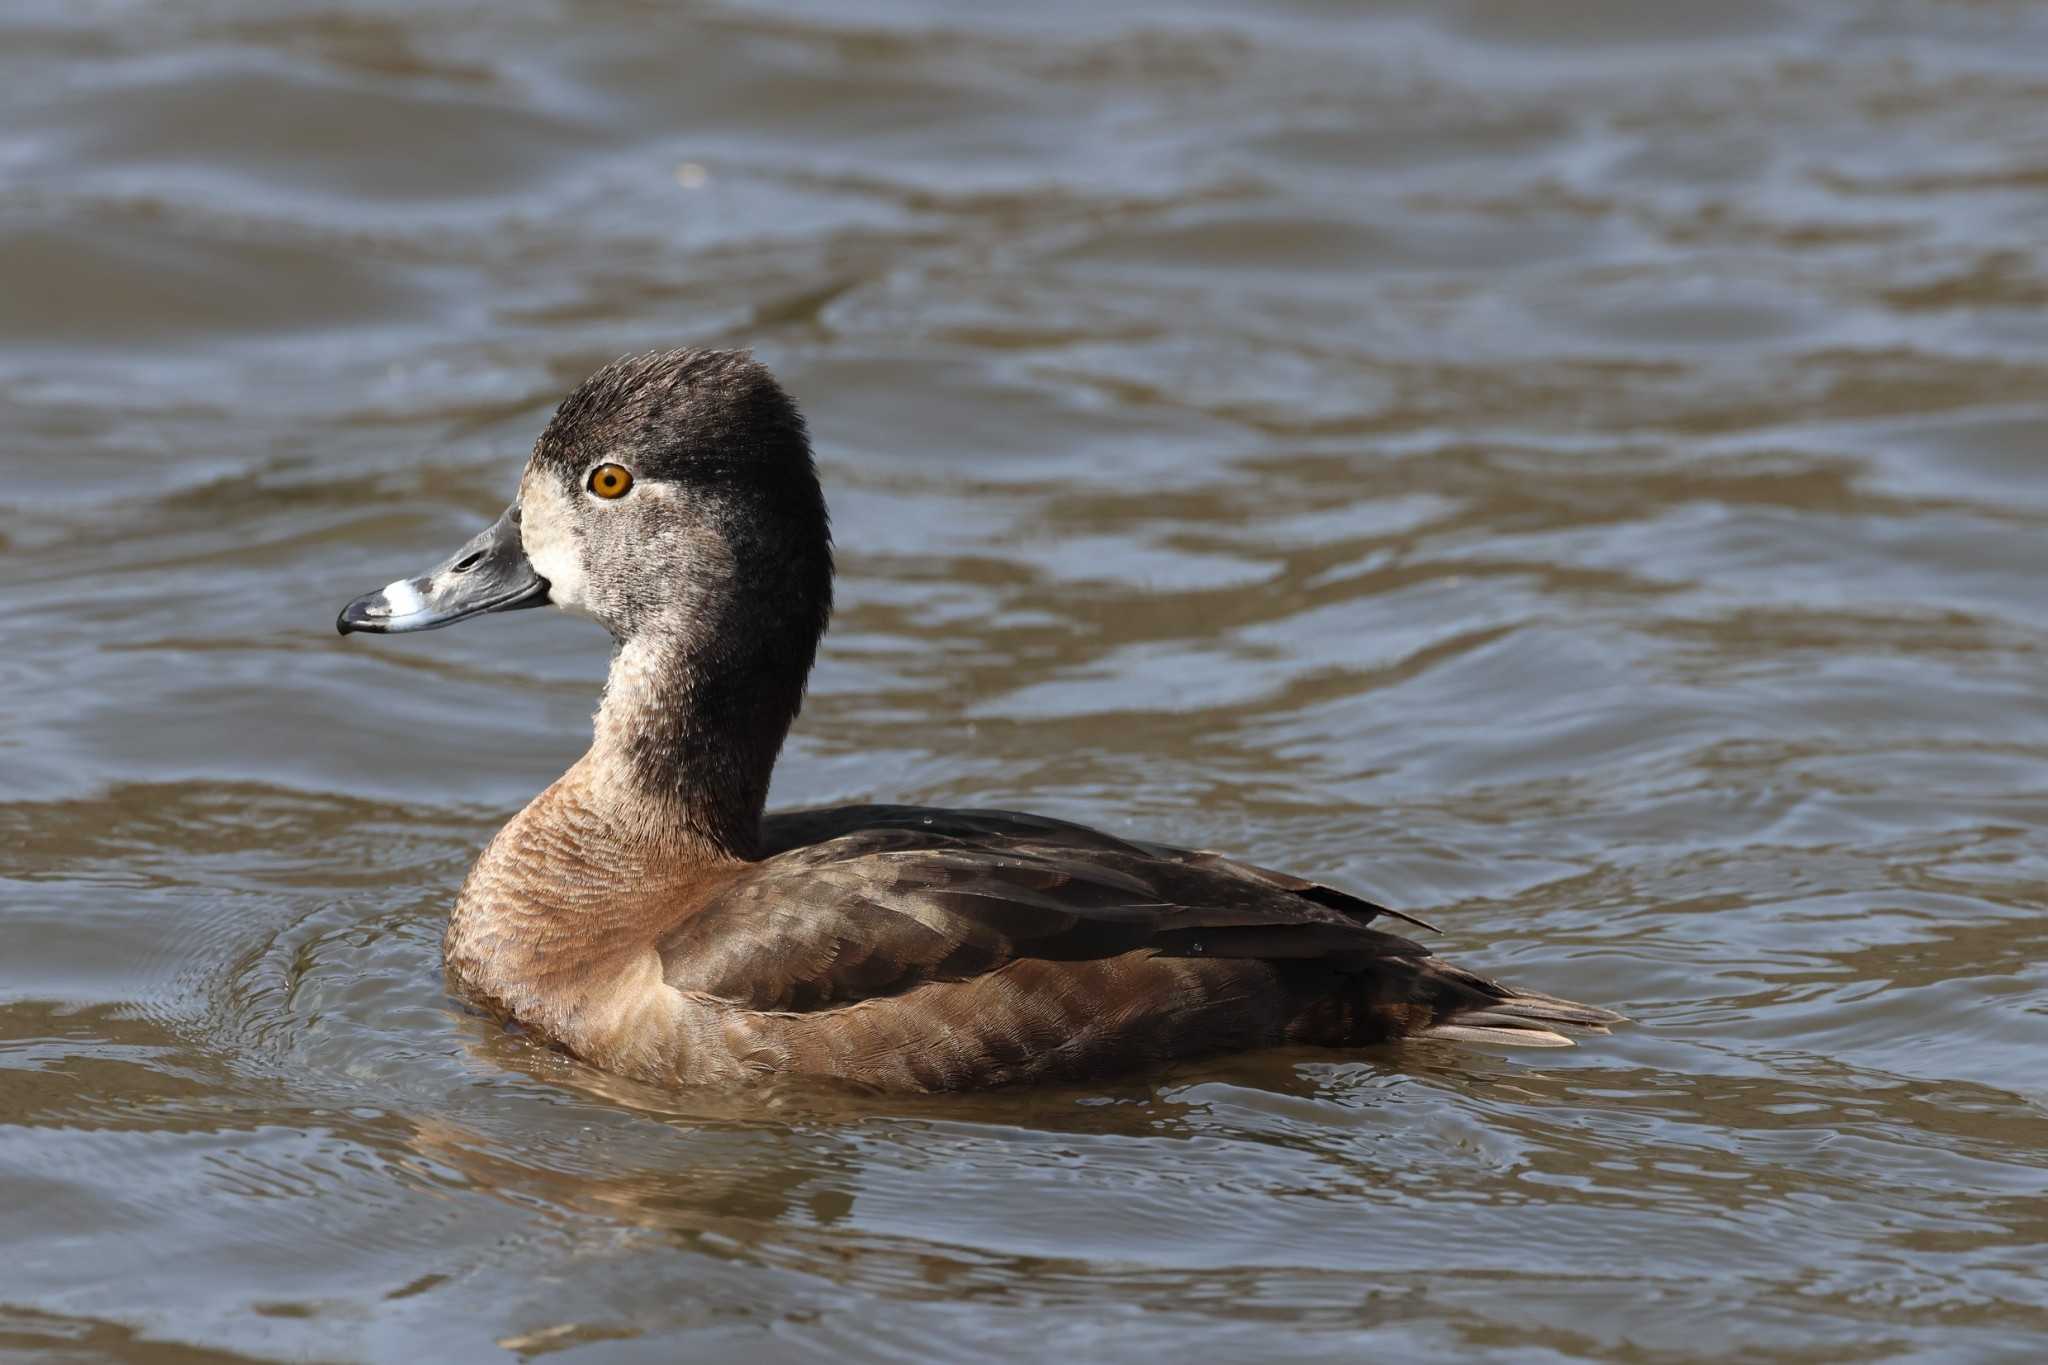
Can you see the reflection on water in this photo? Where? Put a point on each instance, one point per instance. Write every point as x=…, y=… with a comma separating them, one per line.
x=1574, y=471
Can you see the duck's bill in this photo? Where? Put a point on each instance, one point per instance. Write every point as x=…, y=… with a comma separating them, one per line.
x=491, y=573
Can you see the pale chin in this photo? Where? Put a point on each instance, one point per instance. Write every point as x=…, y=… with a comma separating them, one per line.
x=559, y=566
x=551, y=547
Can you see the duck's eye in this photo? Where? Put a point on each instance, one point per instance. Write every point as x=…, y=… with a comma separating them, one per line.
x=609, y=481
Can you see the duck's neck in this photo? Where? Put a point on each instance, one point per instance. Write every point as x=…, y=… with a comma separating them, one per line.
x=685, y=743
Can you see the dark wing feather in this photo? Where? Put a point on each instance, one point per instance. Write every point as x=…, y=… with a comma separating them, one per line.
x=1361, y=910
x=875, y=901
x=791, y=829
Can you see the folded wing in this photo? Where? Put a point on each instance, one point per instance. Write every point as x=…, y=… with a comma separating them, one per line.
x=871, y=902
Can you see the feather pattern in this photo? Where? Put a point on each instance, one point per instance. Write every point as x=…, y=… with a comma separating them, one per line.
x=645, y=915
x=932, y=949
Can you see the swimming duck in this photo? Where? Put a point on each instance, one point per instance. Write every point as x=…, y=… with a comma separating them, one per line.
x=644, y=914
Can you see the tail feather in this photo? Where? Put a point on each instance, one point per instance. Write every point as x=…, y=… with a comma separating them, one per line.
x=1501, y=1037
x=1475, y=1010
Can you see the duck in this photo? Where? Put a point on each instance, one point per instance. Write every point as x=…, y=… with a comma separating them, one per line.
x=648, y=916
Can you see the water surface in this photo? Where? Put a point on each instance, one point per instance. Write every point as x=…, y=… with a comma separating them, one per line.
x=1576, y=472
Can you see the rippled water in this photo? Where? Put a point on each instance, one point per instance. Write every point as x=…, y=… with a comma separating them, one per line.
x=1574, y=471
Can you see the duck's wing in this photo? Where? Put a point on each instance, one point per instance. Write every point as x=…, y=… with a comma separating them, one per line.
x=792, y=829
x=873, y=902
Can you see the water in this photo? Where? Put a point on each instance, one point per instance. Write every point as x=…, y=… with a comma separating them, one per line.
x=1574, y=471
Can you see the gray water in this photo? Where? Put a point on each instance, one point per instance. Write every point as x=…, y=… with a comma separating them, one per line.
x=1573, y=471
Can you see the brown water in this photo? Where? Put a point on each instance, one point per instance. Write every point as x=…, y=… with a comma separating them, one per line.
x=1579, y=472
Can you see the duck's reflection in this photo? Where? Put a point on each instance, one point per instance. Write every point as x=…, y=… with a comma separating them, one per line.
x=751, y=1171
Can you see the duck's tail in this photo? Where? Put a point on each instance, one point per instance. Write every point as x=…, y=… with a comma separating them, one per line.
x=1471, y=1009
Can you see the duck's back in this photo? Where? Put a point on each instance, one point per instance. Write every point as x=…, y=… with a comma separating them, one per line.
x=914, y=948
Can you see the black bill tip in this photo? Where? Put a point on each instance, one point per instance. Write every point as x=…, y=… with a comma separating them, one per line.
x=355, y=616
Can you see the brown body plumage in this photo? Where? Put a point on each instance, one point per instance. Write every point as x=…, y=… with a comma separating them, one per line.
x=644, y=914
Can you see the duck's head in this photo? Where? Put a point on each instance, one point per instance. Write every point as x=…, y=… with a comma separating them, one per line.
x=672, y=497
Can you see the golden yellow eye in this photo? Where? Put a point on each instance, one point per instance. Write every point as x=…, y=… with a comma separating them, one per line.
x=610, y=481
